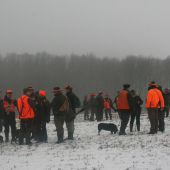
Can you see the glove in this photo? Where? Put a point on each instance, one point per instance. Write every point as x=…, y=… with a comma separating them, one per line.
x=47, y=120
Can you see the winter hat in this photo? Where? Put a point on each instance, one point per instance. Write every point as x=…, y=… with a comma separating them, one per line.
x=133, y=92
x=56, y=89
x=126, y=86
x=68, y=87
x=166, y=90
x=42, y=92
x=26, y=90
x=152, y=83
x=93, y=94
x=106, y=94
x=100, y=92
x=31, y=88
x=9, y=92
x=85, y=96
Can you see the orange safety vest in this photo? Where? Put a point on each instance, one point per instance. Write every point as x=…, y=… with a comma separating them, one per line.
x=11, y=105
x=25, y=110
x=107, y=104
x=122, y=102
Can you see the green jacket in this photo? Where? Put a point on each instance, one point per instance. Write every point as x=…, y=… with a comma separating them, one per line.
x=58, y=101
x=92, y=103
x=100, y=101
x=85, y=104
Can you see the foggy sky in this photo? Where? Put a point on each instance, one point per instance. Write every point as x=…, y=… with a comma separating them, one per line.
x=113, y=28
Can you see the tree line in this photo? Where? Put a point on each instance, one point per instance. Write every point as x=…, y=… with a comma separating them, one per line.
x=86, y=74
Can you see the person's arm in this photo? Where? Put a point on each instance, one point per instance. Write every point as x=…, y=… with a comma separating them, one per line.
x=140, y=100
x=149, y=99
x=47, y=110
x=31, y=103
x=130, y=101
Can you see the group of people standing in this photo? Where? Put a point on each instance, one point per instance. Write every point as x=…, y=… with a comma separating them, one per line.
x=34, y=111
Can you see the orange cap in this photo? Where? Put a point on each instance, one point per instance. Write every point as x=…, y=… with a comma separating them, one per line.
x=92, y=94
x=42, y=92
x=100, y=92
x=9, y=91
x=106, y=95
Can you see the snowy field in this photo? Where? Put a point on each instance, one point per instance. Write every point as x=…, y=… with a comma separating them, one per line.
x=136, y=151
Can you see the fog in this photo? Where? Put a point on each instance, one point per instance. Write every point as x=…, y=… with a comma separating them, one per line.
x=109, y=28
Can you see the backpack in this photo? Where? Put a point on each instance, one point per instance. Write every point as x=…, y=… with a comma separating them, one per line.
x=77, y=102
x=64, y=109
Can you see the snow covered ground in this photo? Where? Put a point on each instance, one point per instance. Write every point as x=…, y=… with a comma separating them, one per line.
x=136, y=151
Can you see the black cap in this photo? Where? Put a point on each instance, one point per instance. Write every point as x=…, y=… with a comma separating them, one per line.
x=68, y=87
x=126, y=86
x=56, y=89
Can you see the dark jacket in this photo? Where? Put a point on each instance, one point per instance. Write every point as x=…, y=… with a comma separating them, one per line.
x=71, y=97
x=85, y=104
x=58, y=101
x=137, y=105
x=92, y=103
x=100, y=102
x=43, y=110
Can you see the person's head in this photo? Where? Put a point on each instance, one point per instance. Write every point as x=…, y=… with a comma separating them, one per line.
x=159, y=87
x=166, y=91
x=85, y=97
x=106, y=96
x=56, y=90
x=133, y=93
x=9, y=94
x=92, y=95
x=42, y=93
x=152, y=84
x=31, y=89
x=100, y=93
x=68, y=88
x=126, y=86
x=27, y=91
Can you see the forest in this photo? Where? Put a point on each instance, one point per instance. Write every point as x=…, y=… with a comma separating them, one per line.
x=86, y=74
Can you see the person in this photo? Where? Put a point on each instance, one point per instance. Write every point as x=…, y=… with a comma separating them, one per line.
x=70, y=122
x=86, y=107
x=100, y=106
x=42, y=116
x=168, y=102
x=9, y=104
x=33, y=125
x=154, y=98
x=107, y=106
x=1, y=114
x=59, y=117
x=137, y=111
x=26, y=106
x=125, y=106
x=161, y=113
x=93, y=106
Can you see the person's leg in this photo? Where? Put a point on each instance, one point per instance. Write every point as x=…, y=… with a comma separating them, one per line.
x=44, y=132
x=138, y=119
x=132, y=118
x=13, y=126
x=22, y=130
x=59, y=121
x=92, y=115
x=106, y=114
x=28, y=130
x=70, y=128
x=156, y=120
x=125, y=120
x=151, y=113
x=6, y=125
x=110, y=114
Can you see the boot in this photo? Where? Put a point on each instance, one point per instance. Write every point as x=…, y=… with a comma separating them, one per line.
x=6, y=137
x=70, y=135
x=122, y=133
x=131, y=128
x=138, y=127
x=60, y=138
x=21, y=135
x=28, y=138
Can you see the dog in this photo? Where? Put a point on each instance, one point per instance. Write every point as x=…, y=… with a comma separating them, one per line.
x=108, y=127
x=1, y=139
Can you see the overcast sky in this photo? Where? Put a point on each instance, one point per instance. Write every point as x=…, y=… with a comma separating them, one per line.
x=113, y=28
